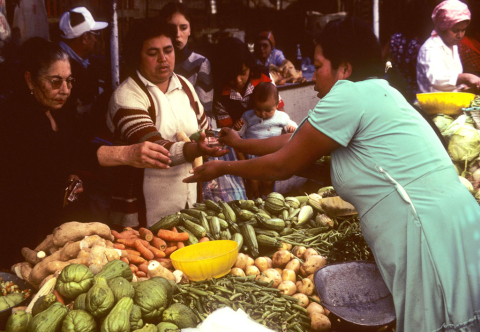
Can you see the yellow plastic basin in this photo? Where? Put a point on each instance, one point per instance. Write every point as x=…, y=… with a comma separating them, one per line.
x=201, y=261
x=450, y=103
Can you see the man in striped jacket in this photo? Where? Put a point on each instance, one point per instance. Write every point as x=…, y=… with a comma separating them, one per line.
x=154, y=104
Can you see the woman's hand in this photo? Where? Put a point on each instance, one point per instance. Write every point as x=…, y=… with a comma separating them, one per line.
x=470, y=80
x=210, y=151
x=146, y=155
x=229, y=137
x=208, y=171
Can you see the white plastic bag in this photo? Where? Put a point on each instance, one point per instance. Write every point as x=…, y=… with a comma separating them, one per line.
x=5, y=31
x=228, y=320
x=30, y=18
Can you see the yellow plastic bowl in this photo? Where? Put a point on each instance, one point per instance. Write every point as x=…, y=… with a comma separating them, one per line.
x=201, y=261
x=449, y=103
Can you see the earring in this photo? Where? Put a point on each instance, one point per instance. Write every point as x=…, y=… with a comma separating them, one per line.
x=31, y=92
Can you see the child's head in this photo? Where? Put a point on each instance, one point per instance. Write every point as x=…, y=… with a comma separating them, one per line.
x=265, y=100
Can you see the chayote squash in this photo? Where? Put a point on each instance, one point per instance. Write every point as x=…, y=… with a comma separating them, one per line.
x=136, y=321
x=121, y=288
x=180, y=315
x=167, y=327
x=11, y=300
x=115, y=268
x=18, y=321
x=74, y=280
x=147, y=328
x=99, y=299
x=43, y=303
x=152, y=298
x=168, y=286
x=79, y=321
x=49, y=320
x=79, y=303
x=118, y=320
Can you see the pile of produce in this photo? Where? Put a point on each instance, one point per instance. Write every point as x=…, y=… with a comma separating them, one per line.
x=11, y=294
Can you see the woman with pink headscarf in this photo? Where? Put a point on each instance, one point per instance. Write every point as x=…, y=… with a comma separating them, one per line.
x=438, y=64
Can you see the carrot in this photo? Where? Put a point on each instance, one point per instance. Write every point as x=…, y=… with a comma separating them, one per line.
x=134, y=268
x=122, y=235
x=172, y=236
x=132, y=252
x=203, y=239
x=180, y=244
x=125, y=259
x=156, y=252
x=171, y=243
x=169, y=250
x=158, y=243
x=143, y=267
x=134, y=231
x=131, y=242
x=174, y=229
x=137, y=259
x=146, y=234
x=141, y=274
x=119, y=246
x=59, y=297
x=147, y=254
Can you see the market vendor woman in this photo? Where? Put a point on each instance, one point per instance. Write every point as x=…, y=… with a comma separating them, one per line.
x=416, y=216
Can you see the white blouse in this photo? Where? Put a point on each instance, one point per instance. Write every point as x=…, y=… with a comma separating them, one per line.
x=438, y=66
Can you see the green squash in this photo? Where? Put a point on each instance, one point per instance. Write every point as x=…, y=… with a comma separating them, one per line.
x=74, y=280
x=99, y=299
x=118, y=320
x=121, y=288
x=147, y=328
x=167, y=327
x=152, y=298
x=18, y=321
x=43, y=303
x=79, y=303
x=136, y=321
x=170, y=287
x=49, y=320
x=115, y=268
x=79, y=321
x=180, y=315
x=11, y=300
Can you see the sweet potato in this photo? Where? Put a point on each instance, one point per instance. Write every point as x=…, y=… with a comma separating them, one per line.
x=55, y=266
x=25, y=270
x=74, y=231
x=46, y=244
x=32, y=256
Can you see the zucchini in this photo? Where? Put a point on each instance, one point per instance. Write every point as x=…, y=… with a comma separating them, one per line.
x=167, y=222
x=204, y=223
x=267, y=232
x=189, y=217
x=228, y=212
x=246, y=215
x=250, y=239
x=237, y=237
x=214, y=224
x=193, y=212
x=223, y=223
x=268, y=241
x=200, y=206
x=247, y=205
x=213, y=206
x=194, y=228
x=276, y=224
x=191, y=238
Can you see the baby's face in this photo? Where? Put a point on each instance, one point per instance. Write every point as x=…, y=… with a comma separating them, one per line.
x=265, y=109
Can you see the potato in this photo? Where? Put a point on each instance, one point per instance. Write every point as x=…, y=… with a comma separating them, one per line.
x=320, y=323
x=250, y=261
x=237, y=272
x=285, y=246
x=281, y=258
x=309, y=252
x=280, y=271
x=315, y=307
x=303, y=300
x=305, y=287
x=287, y=287
x=302, y=272
x=313, y=263
x=241, y=261
x=316, y=297
x=289, y=275
x=261, y=263
x=299, y=251
x=311, y=277
x=269, y=275
x=293, y=265
x=269, y=262
x=252, y=270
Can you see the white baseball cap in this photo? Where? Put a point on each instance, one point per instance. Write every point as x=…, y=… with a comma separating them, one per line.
x=89, y=24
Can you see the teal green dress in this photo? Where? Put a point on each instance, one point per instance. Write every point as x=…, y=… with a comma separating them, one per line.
x=421, y=223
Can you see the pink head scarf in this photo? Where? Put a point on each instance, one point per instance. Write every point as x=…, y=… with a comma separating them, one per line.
x=448, y=13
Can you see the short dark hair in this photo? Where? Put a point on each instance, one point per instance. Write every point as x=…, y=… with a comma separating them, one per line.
x=228, y=60
x=263, y=91
x=171, y=8
x=138, y=34
x=37, y=55
x=351, y=40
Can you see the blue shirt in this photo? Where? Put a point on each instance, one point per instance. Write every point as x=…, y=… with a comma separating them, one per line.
x=256, y=127
x=276, y=58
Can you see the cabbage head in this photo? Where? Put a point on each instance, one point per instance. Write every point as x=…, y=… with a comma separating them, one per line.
x=464, y=144
x=442, y=121
x=467, y=184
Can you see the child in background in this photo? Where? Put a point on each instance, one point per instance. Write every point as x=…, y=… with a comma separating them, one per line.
x=262, y=122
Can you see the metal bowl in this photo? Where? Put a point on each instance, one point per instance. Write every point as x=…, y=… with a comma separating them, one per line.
x=4, y=314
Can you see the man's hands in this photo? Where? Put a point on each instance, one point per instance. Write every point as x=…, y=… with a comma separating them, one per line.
x=206, y=172
x=146, y=155
x=210, y=151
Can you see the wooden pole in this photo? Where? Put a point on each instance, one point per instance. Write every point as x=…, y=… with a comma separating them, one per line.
x=376, y=19
x=115, y=66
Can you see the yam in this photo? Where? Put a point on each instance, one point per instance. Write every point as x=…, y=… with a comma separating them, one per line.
x=31, y=255
x=55, y=266
x=155, y=269
x=46, y=244
x=74, y=231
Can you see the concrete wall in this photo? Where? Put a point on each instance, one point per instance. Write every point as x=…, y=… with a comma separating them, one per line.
x=299, y=99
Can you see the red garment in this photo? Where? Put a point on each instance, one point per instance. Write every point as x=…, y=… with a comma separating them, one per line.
x=469, y=49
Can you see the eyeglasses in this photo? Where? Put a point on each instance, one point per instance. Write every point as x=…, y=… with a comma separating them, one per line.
x=57, y=83
x=96, y=34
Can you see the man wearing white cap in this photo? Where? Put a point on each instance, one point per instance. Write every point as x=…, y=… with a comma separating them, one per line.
x=79, y=35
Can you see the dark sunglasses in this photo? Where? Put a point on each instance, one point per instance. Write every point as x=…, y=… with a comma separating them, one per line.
x=57, y=83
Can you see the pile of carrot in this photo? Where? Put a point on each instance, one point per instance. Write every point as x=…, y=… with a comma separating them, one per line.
x=143, y=246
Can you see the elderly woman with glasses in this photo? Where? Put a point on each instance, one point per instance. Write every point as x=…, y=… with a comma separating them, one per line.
x=40, y=154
